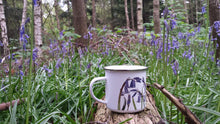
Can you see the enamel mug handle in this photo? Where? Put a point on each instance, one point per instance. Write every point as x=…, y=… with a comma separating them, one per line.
x=91, y=89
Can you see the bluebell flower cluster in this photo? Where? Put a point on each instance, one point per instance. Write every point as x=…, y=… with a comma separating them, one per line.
x=23, y=36
x=203, y=10
x=175, y=67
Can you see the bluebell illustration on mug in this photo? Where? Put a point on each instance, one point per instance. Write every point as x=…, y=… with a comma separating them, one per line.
x=129, y=92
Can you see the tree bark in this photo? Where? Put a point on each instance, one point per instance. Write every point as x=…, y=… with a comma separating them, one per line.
x=149, y=115
x=126, y=14
x=79, y=21
x=132, y=14
x=214, y=15
x=4, y=33
x=186, y=11
x=38, y=27
x=93, y=13
x=156, y=16
x=139, y=15
x=24, y=16
x=56, y=12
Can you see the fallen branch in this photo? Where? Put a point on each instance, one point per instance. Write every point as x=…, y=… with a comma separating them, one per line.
x=5, y=106
x=190, y=118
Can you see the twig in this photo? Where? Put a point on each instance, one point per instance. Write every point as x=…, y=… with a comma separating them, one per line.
x=5, y=106
x=190, y=118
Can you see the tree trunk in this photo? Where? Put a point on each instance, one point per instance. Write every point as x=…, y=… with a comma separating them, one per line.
x=191, y=18
x=186, y=11
x=24, y=16
x=126, y=14
x=3, y=28
x=38, y=26
x=132, y=14
x=149, y=115
x=214, y=15
x=197, y=21
x=139, y=15
x=79, y=21
x=93, y=13
x=156, y=16
x=56, y=12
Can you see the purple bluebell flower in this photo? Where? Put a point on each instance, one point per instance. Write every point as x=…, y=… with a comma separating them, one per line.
x=203, y=10
x=159, y=51
x=89, y=65
x=35, y=2
x=0, y=60
x=99, y=61
x=90, y=35
x=151, y=53
x=85, y=36
x=175, y=67
x=166, y=25
x=104, y=28
x=13, y=56
x=217, y=27
x=181, y=35
x=140, y=40
x=61, y=34
x=189, y=55
x=80, y=52
x=1, y=44
x=172, y=23
x=21, y=74
x=187, y=42
x=48, y=71
x=27, y=21
x=35, y=51
x=165, y=12
x=217, y=45
x=184, y=54
x=58, y=64
x=175, y=44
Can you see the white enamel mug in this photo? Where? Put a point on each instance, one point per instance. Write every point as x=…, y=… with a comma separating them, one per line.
x=125, y=89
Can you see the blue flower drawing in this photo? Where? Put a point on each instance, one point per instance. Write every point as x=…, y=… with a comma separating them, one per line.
x=130, y=94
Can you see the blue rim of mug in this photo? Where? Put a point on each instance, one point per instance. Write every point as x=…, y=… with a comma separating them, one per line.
x=125, y=67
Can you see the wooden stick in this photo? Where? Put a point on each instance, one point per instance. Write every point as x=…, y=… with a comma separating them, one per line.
x=190, y=118
x=5, y=106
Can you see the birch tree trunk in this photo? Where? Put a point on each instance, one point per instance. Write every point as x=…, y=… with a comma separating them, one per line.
x=38, y=26
x=186, y=11
x=126, y=14
x=156, y=16
x=56, y=12
x=24, y=15
x=139, y=15
x=3, y=28
x=93, y=13
x=132, y=14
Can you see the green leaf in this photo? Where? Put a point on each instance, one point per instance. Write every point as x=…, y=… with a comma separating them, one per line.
x=126, y=120
x=45, y=119
x=205, y=110
x=13, y=113
x=128, y=59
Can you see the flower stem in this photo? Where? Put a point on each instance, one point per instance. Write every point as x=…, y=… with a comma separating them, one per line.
x=30, y=66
